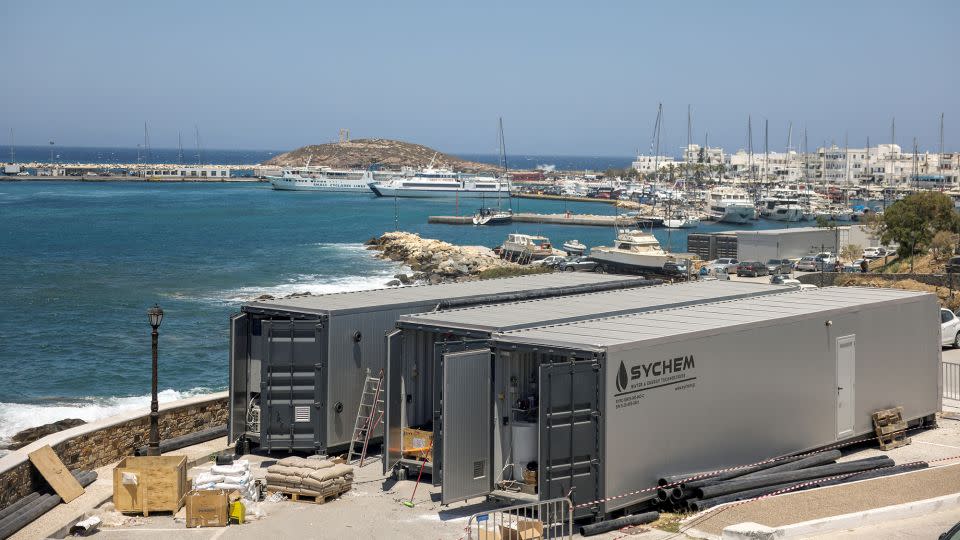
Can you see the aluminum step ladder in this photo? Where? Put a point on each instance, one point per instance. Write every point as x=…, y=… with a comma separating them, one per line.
x=369, y=416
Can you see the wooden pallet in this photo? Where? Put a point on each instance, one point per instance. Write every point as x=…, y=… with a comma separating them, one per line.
x=312, y=499
x=890, y=428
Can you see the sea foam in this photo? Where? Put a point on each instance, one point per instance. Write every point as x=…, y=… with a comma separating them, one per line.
x=15, y=417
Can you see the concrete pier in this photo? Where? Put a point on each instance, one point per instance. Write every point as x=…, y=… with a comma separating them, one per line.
x=559, y=219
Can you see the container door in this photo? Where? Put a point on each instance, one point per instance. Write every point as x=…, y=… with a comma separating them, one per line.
x=292, y=389
x=440, y=350
x=467, y=425
x=846, y=362
x=570, y=431
x=238, y=385
x=393, y=402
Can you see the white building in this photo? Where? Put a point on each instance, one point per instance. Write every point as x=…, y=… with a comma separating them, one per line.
x=769, y=167
x=647, y=164
x=184, y=171
x=694, y=153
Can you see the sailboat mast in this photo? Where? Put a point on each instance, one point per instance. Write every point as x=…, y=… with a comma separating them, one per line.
x=196, y=134
x=753, y=178
x=179, y=147
x=940, y=157
x=146, y=143
x=13, y=147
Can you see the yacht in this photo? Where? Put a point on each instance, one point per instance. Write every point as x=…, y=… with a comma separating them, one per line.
x=492, y=216
x=731, y=205
x=781, y=209
x=526, y=247
x=324, y=179
x=681, y=221
x=434, y=183
x=574, y=247
x=633, y=250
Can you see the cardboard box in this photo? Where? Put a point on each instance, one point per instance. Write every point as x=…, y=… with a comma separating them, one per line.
x=416, y=442
x=145, y=484
x=527, y=529
x=207, y=508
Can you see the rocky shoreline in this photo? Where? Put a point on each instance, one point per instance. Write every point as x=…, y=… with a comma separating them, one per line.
x=434, y=261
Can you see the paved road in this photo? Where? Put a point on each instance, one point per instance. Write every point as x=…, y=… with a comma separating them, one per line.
x=926, y=527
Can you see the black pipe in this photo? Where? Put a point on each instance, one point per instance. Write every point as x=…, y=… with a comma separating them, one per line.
x=739, y=472
x=679, y=493
x=18, y=505
x=184, y=441
x=39, y=507
x=821, y=458
x=735, y=485
x=663, y=494
x=878, y=473
x=698, y=505
x=619, y=523
x=674, y=478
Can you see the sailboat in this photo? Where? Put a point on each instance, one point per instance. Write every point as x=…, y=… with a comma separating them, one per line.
x=681, y=219
x=496, y=216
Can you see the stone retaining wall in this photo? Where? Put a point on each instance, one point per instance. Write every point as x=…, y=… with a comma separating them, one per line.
x=829, y=278
x=106, y=441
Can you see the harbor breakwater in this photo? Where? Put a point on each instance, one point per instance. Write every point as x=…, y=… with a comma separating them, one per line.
x=436, y=261
x=103, y=442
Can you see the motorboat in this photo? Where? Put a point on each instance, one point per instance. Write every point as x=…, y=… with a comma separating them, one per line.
x=492, y=216
x=680, y=221
x=780, y=209
x=633, y=250
x=574, y=247
x=526, y=247
x=731, y=205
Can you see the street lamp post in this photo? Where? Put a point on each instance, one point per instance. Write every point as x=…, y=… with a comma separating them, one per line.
x=155, y=316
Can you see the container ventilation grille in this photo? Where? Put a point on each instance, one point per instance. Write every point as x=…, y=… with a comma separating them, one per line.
x=479, y=469
x=301, y=414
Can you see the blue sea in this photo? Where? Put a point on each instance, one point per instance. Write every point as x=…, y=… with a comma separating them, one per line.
x=87, y=154
x=80, y=264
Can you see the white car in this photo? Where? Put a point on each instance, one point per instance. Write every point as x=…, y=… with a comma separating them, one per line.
x=875, y=252
x=724, y=264
x=552, y=261
x=949, y=328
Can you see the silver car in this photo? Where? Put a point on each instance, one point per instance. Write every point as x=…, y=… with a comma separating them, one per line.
x=807, y=264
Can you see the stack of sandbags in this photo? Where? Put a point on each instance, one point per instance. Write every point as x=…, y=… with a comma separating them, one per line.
x=235, y=477
x=309, y=476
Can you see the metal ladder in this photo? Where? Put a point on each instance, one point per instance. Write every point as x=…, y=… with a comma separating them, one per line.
x=369, y=415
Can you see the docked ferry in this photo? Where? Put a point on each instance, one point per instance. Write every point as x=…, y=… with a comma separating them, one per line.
x=324, y=179
x=435, y=183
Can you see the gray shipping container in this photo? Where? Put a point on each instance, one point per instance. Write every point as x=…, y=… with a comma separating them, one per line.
x=621, y=401
x=415, y=352
x=298, y=365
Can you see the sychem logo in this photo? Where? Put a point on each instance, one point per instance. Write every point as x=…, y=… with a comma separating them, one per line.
x=622, y=378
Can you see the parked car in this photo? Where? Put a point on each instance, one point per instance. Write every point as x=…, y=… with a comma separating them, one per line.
x=875, y=252
x=949, y=329
x=679, y=267
x=724, y=264
x=779, y=266
x=578, y=264
x=807, y=264
x=827, y=260
x=752, y=269
x=552, y=261
x=953, y=265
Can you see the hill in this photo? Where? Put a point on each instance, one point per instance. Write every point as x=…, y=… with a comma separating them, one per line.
x=362, y=153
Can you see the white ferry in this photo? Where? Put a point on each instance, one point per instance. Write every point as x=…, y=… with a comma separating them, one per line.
x=731, y=205
x=324, y=179
x=434, y=183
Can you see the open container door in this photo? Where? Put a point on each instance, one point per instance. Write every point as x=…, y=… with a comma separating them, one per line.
x=467, y=425
x=293, y=386
x=570, y=431
x=393, y=402
x=239, y=391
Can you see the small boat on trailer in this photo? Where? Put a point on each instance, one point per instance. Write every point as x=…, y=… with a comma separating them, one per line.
x=574, y=247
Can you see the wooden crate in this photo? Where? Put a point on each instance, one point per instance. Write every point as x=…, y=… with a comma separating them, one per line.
x=416, y=442
x=161, y=484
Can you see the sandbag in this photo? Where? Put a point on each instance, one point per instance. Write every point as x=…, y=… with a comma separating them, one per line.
x=332, y=472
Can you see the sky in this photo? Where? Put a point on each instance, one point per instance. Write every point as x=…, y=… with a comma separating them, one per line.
x=568, y=78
